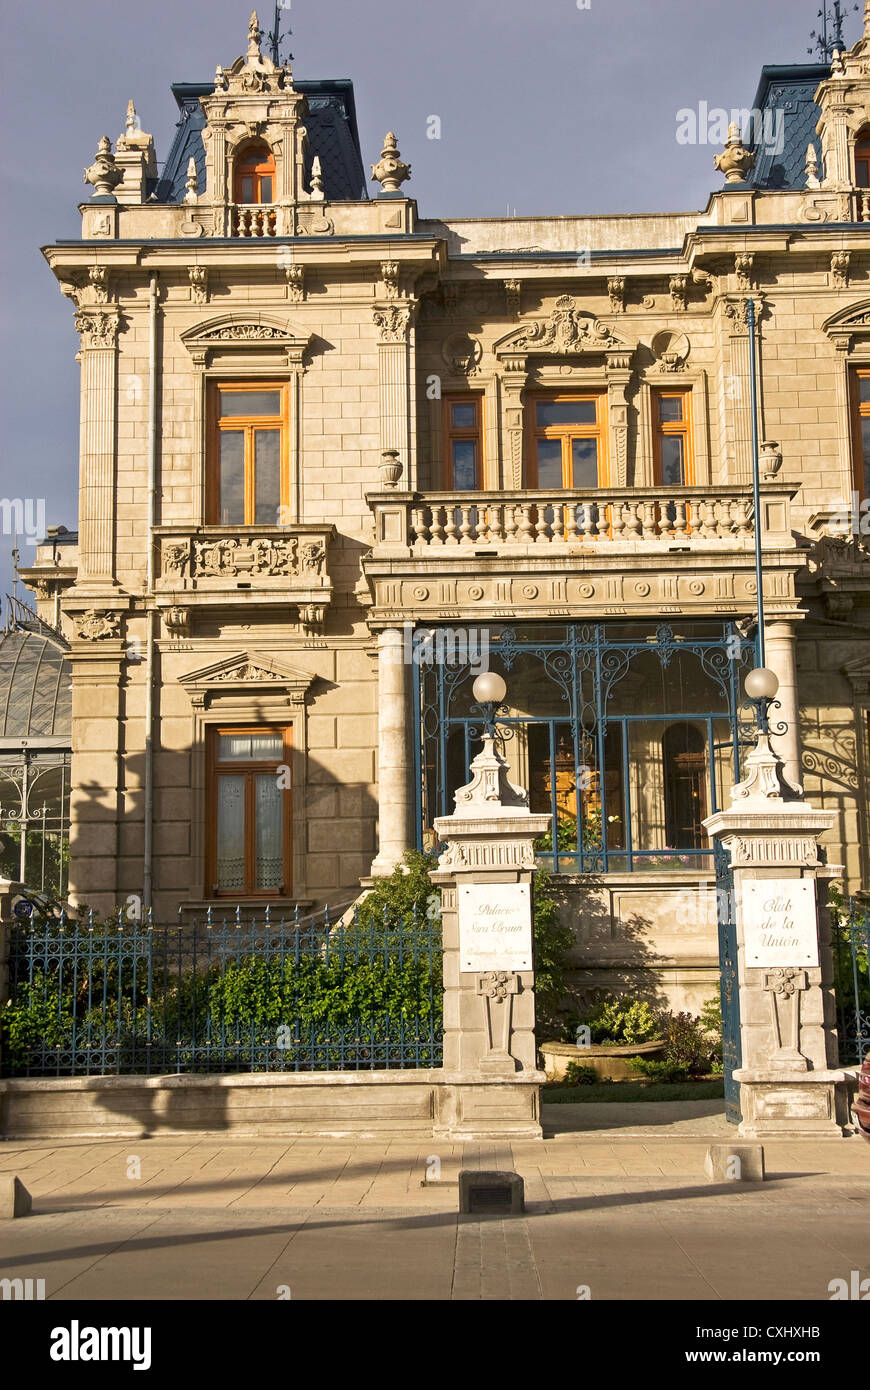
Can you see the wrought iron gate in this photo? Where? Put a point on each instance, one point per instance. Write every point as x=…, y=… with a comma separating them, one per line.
x=728, y=981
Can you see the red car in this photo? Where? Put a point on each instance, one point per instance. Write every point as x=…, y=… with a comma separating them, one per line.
x=861, y=1103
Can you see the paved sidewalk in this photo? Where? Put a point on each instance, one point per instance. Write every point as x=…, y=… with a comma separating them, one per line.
x=617, y=1202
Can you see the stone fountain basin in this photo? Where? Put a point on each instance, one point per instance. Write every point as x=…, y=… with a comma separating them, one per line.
x=609, y=1060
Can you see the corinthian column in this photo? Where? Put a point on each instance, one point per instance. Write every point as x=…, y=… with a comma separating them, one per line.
x=394, y=755
x=99, y=333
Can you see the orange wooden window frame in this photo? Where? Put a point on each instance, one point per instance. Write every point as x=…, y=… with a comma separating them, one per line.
x=450, y=433
x=862, y=156
x=256, y=162
x=249, y=771
x=674, y=428
x=860, y=411
x=249, y=424
x=566, y=433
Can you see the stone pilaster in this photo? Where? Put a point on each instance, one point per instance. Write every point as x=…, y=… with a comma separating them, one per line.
x=394, y=754
x=106, y=790
x=99, y=333
x=618, y=381
x=394, y=322
x=736, y=394
x=513, y=384
x=789, y=1081
x=489, y=1003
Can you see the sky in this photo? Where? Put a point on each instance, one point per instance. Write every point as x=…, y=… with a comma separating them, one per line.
x=546, y=106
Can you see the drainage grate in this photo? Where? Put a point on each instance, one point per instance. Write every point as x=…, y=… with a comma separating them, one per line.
x=481, y=1191
x=490, y=1199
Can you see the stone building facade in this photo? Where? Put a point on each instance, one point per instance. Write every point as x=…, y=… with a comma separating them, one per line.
x=337, y=455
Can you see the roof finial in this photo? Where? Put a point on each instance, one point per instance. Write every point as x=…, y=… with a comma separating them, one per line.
x=811, y=168
x=104, y=174
x=390, y=172
x=255, y=34
x=131, y=122
x=191, y=182
x=735, y=160
x=317, y=193
x=830, y=36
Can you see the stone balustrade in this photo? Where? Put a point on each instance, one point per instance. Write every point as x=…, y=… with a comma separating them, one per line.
x=621, y=518
x=254, y=220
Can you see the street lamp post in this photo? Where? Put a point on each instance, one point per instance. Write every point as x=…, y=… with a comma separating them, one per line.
x=756, y=482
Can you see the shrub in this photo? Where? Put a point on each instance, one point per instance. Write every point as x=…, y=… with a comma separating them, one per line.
x=578, y=1075
x=625, y=1021
x=407, y=894
x=658, y=1069
x=711, y=1023
x=687, y=1046
x=553, y=941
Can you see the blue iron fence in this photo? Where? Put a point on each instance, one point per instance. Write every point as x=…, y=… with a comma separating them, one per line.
x=851, y=942
x=305, y=994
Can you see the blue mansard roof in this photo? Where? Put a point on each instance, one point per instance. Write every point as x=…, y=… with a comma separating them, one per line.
x=332, y=134
x=789, y=90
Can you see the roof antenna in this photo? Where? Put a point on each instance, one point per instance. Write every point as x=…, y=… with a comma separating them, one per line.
x=15, y=558
x=276, y=38
x=830, y=37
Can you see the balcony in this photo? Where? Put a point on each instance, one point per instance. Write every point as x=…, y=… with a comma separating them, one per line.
x=268, y=565
x=567, y=522
x=637, y=552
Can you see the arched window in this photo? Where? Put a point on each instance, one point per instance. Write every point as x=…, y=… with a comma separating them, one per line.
x=254, y=180
x=862, y=159
x=684, y=755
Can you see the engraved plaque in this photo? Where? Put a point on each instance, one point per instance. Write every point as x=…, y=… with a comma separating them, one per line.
x=779, y=922
x=495, y=927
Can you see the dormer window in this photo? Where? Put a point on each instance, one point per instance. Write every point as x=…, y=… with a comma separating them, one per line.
x=255, y=175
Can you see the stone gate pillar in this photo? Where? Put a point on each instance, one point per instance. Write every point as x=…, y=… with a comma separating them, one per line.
x=789, y=1082
x=491, y=1086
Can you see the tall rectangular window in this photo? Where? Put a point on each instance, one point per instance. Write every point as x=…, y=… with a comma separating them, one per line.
x=248, y=480
x=249, y=812
x=674, y=454
x=463, y=437
x=567, y=442
x=861, y=430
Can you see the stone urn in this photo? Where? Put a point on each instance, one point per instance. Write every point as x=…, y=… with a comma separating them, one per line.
x=736, y=160
x=104, y=173
x=770, y=459
x=390, y=468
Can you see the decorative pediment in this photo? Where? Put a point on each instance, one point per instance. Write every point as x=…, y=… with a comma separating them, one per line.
x=245, y=332
x=567, y=330
x=244, y=675
x=847, y=324
x=254, y=73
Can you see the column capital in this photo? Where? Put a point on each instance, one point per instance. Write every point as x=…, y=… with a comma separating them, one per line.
x=98, y=328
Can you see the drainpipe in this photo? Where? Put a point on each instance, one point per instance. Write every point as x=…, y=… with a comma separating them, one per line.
x=150, y=614
x=756, y=483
